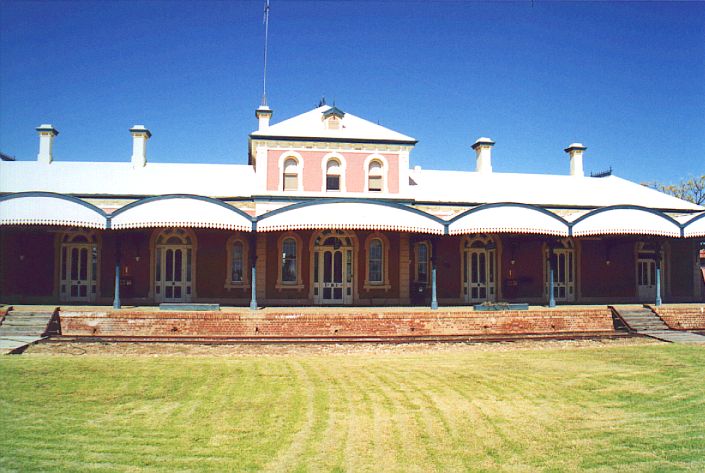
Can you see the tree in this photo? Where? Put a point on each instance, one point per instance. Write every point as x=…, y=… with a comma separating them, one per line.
x=692, y=190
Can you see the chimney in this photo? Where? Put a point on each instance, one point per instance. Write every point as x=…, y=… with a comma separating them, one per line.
x=46, y=140
x=483, y=149
x=263, y=114
x=140, y=135
x=575, y=151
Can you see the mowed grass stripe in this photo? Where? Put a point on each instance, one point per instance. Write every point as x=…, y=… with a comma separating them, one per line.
x=611, y=408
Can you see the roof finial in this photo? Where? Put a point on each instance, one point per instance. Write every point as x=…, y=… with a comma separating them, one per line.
x=266, y=36
x=322, y=102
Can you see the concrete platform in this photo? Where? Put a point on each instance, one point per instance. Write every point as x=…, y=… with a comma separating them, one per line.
x=10, y=344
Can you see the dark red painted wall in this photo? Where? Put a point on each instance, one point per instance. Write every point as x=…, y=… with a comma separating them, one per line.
x=33, y=275
x=681, y=267
x=448, y=267
x=524, y=278
x=616, y=279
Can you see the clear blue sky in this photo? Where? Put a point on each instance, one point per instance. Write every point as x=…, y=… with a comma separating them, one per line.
x=627, y=79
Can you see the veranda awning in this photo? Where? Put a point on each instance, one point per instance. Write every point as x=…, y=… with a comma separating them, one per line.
x=181, y=211
x=508, y=218
x=43, y=208
x=694, y=226
x=626, y=221
x=349, y=216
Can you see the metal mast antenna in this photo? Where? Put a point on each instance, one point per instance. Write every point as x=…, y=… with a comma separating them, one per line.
x=266, y=36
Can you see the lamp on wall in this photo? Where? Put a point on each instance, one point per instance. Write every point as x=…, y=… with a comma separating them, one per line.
x=608, y=252
x=136, y=243
x=513, y=248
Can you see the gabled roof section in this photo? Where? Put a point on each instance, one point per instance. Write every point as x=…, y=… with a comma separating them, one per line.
x=310, y=126
x=333, y=112
x=110, y=178
x=545, y=190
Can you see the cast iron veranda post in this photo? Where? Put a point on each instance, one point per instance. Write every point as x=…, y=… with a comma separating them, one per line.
x=253, y=272
x=551, y=296
x=434, y=298
x=658, y=275
x=116, y=299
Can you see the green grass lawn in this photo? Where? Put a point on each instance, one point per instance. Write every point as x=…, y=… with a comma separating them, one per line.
x=631, y=408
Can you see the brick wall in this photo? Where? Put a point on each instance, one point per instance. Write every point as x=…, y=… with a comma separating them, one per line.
x=293, y=323
x=689, y=317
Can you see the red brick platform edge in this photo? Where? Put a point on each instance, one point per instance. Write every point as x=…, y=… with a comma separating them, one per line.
x=334, y=324
x=682, y=317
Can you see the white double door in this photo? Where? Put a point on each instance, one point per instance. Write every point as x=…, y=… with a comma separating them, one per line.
x=332, y=276
x=563, y=262
x=646, y=278
x=173, y=273
x=78, y=272
x=480, y=275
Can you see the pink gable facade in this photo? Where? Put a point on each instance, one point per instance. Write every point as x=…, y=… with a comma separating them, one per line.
x=353, y=173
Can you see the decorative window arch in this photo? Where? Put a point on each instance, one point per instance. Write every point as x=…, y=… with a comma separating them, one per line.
x=333, y=168
x=376, y=173
x=237, y=272
x=289, y=249
x=377, y=262
x=291, y=171
x=77, y=235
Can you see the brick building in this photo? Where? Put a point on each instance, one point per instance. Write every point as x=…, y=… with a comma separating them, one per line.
x=328, y=211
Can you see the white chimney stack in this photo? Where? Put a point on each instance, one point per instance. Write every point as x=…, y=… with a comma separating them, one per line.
x=575, y=151
x=263, y=114
x=483, y=149
x=140, y=135
x=46, y=140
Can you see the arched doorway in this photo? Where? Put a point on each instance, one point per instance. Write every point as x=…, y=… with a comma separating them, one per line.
x=479, y=269
x=78, y=266
x=332, y=267
x=562, y=258
x=174, y=262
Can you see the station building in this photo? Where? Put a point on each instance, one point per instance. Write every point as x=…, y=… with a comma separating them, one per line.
x=329, y=211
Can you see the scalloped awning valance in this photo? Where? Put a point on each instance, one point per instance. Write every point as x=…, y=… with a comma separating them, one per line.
x=510, y=218
x=181, y=211
x=349, y=216
x=694, y=226
x=626, y=221
x=49, y=209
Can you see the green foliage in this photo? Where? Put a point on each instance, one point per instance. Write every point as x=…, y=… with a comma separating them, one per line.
x=692, y=190
x=629, y=408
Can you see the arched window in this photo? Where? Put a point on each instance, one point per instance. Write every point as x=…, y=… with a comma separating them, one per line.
x=333, y=171
x=237, y=270
x=422, y=256
x=289, y=269
x=375, y=176
x=375, y=265
x=290, y=178
x=237, y=264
